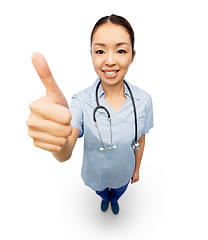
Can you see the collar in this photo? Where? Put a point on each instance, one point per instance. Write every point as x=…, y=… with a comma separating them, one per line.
x=102, y=93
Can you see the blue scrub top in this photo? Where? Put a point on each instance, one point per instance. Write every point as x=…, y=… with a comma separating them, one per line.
x=109, y=168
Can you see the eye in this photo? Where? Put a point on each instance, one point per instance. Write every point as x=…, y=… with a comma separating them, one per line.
x=99, y=52
x=121, y=51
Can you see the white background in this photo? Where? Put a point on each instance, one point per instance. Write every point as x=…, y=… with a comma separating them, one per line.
x=41, y=198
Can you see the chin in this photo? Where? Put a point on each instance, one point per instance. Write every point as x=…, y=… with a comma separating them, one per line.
x=111, y=81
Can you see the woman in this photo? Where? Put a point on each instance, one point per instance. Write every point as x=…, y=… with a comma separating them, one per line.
x=109, y=162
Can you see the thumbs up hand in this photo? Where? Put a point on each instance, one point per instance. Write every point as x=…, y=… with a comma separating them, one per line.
x=52, y=89
x=49, y=121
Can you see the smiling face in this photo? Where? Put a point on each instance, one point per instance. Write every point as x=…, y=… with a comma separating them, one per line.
x=111, y=53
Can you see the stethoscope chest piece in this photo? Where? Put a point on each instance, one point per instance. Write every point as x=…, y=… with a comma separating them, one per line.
x=135, y=145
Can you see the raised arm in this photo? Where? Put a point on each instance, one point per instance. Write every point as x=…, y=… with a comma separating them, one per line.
x=49, y=121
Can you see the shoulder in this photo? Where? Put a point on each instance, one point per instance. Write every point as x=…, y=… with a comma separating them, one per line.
x=87, y=94
x=140, y=94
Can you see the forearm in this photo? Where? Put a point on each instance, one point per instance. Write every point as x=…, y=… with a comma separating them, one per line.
x=139, y=153
x=65, y=153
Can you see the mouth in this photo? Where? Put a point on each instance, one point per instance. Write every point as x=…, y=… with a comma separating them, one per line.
x=110, y=73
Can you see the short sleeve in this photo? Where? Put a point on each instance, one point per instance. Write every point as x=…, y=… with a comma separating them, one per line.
x=149, y=117
x=77, y=115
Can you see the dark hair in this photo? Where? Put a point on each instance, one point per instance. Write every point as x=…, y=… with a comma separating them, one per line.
x=118, y=20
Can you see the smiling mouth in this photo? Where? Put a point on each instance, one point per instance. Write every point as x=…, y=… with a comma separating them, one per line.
x=110, y=73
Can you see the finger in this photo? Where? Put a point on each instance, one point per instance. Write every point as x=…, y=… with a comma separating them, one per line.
x=54, y=112
x=55, y=129
x=44, y=72
x=133, y=180
x=46, y=138
x=47, y=146
x=52, y=128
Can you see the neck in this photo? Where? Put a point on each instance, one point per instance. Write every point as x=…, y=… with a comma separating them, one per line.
x=113, y=91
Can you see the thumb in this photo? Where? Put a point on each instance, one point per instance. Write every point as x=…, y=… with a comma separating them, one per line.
x=43, y=70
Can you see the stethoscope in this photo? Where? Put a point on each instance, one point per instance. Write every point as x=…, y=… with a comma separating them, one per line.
x=135, y=145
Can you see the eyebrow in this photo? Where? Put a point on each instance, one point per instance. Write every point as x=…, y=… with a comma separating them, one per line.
x=118, y=44
x=122, y=43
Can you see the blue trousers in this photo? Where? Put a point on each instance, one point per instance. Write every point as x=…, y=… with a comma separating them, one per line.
x=112, y=194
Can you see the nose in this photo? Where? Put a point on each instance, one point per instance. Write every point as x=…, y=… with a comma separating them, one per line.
x=110, y=60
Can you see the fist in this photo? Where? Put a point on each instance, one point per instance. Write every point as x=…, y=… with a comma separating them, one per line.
x=49, y=121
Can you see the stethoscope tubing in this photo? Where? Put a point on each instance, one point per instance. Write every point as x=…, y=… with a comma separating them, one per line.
x=134, y=107
x=94, y=112
x=106, y=110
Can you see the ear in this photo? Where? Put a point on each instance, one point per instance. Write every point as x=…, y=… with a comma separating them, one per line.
x=91, y=52
x=134, y=53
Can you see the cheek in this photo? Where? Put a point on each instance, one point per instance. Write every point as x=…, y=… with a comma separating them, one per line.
x=125, y=63
x=96, y=62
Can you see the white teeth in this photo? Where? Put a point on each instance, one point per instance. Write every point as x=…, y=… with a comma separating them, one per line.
x=110, y=73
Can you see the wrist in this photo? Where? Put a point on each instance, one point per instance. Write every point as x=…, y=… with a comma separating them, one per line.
x=65, y=152
x=136, y=171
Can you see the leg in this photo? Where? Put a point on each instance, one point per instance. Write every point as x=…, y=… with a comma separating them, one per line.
x=104, y=194
x=115, y=194
x=105, y=198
